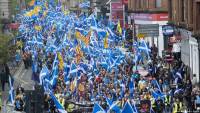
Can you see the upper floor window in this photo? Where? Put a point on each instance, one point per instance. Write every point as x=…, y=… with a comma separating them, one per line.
x=158, y=3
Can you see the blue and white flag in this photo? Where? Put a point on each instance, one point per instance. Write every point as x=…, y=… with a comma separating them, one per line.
x=59, y=107
x=11, y=92
x=98, y=109
x=44, y=72
x=114, y=107
x=128, y=108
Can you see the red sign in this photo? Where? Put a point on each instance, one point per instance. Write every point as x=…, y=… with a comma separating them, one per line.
x=124, y=1
x=151, y=17
x=117, y=11
x=116, y=6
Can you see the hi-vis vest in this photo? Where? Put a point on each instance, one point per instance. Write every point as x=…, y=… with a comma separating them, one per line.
x=177, y=107
x=167, y=100
x=153, y=103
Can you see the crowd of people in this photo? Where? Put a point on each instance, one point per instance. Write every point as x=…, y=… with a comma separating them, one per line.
x=79, y=62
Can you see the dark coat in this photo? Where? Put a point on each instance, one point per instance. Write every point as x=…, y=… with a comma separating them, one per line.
x=3, y=76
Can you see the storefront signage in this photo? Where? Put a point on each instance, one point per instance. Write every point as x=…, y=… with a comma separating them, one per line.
x=117, y=12
x=124, y=1
x=149, y=30
x=151, y=17
x=168, y=30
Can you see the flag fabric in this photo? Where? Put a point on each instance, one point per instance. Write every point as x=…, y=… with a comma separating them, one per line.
x=109, y=101
x=98, y=109
x=43, y=73
x=11, y=91
x=59, y=107
x=61, y=62
x=106, y=41
x=119, y=29
x=114, y=107
x=38, y=28
x=143, y=47
x=128, y=108
x=55, y=72
x=79, y=54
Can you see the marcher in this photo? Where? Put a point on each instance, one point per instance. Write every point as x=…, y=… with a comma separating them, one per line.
x=4, y=79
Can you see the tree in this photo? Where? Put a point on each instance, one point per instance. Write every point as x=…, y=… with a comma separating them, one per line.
x=4, y=48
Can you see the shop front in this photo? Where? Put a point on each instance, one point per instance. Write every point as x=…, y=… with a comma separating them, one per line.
x=190, y=54
x=160, y=19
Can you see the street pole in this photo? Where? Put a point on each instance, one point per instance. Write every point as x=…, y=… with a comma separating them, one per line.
x=110, y=12
x=124, y=15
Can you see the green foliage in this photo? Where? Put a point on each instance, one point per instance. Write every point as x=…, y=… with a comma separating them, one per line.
x=13, y=6
x=4, y=48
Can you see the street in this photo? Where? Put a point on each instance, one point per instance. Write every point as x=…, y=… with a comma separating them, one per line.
x=92, y=56
x=21, y=77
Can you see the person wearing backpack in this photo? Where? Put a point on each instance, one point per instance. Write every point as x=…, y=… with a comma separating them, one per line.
x=19, y=104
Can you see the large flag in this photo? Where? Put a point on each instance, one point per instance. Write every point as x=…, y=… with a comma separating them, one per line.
x=55, y=72
x=143, y=46
x=114, y=106
x=11, y=92
x=43, y=73
x=119, y=29
x=59, y=107
x=128, y=108
x=98, y=109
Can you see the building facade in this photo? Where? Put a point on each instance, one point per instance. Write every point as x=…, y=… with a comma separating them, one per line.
x=185, y=16
x=143, y=12
x=4, y=9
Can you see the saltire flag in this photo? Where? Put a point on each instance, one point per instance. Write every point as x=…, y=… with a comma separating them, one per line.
x=143, y=46
x=55, y=72
x=157, y=95
x=43, y=73
x=98, y=109
x=59, y=107
x=66, y=71
x=109, y=101
x=128, y=108
x=119, y=29
x=131, y=87
x=114, y=106
x=11, y=92
x=73, y=69
x=123, y=88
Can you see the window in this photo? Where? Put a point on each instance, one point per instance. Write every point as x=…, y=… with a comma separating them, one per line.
x=158, y=3
x=170, y=9
x=182, y=11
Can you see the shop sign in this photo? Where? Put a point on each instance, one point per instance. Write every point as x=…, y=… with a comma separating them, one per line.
x=151, y=17
x=168, y=30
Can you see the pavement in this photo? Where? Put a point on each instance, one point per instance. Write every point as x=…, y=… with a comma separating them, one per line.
x=21, y=77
